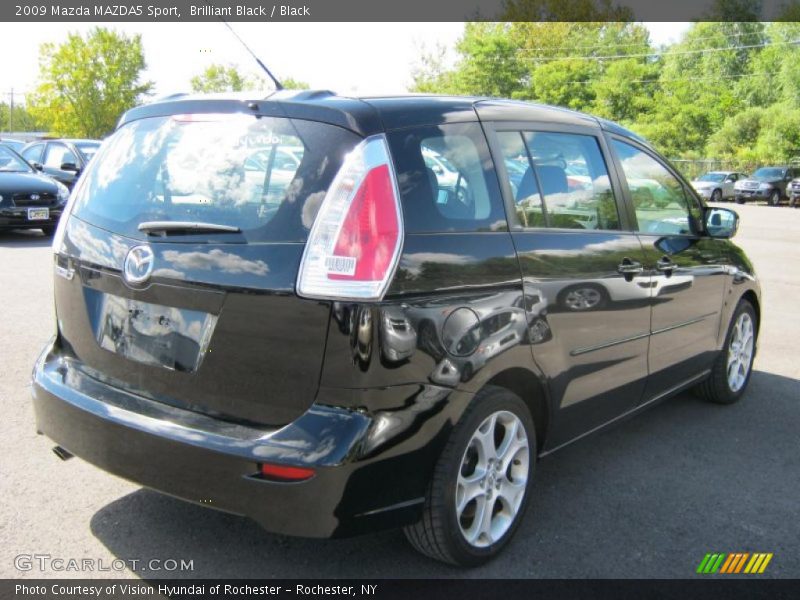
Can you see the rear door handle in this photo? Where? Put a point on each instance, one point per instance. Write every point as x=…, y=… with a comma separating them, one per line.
x=629, y=267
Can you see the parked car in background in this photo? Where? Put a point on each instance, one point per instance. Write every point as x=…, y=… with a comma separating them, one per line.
x=767, y=183
x=15, y=145
x=63, y=160
x=28, y=199
x=717, y=185
x=380, y=345
x=794, y=192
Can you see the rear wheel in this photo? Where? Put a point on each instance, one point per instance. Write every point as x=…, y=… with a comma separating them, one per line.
x=481, y=482
x=731, y=371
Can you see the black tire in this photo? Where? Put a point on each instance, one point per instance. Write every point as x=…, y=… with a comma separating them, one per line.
x=774, y=198
x=740, y=200
x=716, y=195
x=49, y=230
x=438, y=534
x=716, y=387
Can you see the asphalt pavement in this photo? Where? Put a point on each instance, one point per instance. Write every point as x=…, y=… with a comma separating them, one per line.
x=647, y=498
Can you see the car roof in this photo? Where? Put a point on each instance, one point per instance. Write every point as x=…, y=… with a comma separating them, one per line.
x=77, y=141
x=368, y=114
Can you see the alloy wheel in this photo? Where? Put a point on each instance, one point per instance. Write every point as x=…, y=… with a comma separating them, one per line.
x=492, y=479
x=583, y=299
x=740, y=352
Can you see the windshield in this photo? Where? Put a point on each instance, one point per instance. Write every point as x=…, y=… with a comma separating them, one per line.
x=88, y=149
x=769, y=173
x=713, y=177
x=11, y=162
x=263, y=176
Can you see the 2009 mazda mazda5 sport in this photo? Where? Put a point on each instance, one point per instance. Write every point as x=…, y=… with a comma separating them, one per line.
x=335, y=315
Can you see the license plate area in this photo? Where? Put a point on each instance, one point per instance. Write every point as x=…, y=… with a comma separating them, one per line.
x=38, y=214
x=173, y=338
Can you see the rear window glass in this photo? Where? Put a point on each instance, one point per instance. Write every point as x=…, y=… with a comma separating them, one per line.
x=265, y=176
x=446, y=179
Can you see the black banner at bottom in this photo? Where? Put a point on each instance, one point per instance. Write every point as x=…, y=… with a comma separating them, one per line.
x=398, y=589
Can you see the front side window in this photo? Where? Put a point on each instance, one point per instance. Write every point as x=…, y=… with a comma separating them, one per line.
x=558, y=180
x=264, y=176
x=661, y=203
x=57, y=155
x=446, y=181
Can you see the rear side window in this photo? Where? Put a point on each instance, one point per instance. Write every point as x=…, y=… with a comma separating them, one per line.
x=265, y=176
x=446, y=179
x=558, y=180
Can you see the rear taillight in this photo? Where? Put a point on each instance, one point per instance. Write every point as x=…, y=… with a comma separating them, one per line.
x=355, y=242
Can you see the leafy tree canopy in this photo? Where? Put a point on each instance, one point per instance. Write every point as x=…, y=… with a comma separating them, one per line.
x=86, y=83
x=727, y=90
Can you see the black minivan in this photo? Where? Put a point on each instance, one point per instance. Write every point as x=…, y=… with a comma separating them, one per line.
x=335, y=315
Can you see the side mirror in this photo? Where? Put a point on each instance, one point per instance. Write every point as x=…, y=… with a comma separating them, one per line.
x=721, y=222
x=37, y=166
x=68, y=166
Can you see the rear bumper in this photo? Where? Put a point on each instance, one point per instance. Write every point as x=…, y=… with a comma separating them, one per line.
x=367, y=477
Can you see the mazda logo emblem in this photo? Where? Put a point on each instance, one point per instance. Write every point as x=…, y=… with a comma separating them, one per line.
x=138, y=264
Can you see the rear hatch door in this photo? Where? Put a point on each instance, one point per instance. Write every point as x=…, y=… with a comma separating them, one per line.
x=176, y=268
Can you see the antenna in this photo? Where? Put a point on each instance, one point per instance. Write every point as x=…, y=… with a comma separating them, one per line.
x=274, y=79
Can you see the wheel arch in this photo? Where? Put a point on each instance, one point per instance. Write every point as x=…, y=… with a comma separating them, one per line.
x=752, y=298
x=527, y=385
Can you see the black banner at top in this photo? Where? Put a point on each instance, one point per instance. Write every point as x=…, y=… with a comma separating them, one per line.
x=397, y=11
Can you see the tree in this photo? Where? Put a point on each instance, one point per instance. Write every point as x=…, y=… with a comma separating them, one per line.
x=222, y=78
x=729, y=89
x=85, y=84
x=20, y=119
x=229, y=78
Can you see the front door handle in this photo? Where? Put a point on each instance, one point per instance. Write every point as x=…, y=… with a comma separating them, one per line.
x=629, y=267
x=665, y=265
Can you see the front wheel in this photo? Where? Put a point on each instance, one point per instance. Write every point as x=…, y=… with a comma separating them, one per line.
x=481, y=482
x=716, y=196
x=775, y=198
x=731, y=371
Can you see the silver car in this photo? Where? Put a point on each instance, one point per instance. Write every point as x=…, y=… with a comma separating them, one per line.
x=717, y=185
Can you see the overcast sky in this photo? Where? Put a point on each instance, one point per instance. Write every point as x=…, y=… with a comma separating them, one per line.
x=347, y=58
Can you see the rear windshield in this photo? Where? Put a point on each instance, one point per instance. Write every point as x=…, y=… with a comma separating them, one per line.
x=264, y=176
